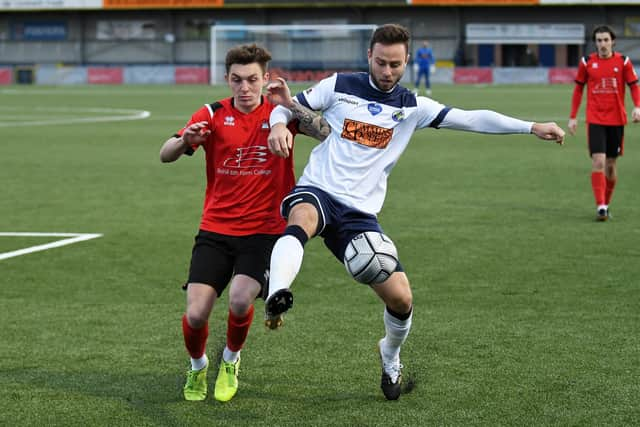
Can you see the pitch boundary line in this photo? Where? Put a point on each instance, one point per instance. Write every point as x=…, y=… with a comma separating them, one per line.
x=125, y=115
x=70, y=239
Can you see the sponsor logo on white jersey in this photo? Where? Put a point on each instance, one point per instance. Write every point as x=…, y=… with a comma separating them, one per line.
x=366, y=134
x=348, y=101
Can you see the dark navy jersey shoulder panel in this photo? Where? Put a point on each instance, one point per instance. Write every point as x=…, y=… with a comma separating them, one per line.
x=302, y=100
x=440, y=117
x=357, y=84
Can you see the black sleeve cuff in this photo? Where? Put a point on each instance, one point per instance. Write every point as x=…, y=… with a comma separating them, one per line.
x=189, y=150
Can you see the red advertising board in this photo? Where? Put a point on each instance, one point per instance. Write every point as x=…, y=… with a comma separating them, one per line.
x=472, y=75
x=105, y=75
x=6, y=76
x=562, y=75
x=192, y=75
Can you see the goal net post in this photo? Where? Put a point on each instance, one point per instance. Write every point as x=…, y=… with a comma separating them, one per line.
x=301, y=53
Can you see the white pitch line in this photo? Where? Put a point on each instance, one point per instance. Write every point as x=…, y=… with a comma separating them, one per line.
x=123, y=91
x=137, y=115
x=72, y=238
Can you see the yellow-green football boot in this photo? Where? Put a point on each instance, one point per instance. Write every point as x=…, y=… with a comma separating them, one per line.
x=196, y=385
x=227, y=382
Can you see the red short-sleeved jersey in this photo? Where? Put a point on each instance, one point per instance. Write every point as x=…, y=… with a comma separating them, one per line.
x=605, y=79
x=245, y=181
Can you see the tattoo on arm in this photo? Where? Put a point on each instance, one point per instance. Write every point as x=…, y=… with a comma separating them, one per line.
x=311, y=123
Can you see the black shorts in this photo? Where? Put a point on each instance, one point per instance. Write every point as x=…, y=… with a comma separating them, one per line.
x=606, y=139
x=217, y=257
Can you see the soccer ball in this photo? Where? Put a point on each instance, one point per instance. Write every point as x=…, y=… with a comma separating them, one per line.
x=371, y=257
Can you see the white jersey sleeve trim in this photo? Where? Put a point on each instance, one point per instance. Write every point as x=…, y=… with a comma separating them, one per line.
x=484, y=121
x=209, y=109
x=280, y=114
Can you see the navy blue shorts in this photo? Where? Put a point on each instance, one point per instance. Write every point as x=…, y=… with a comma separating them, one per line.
x=337, y=223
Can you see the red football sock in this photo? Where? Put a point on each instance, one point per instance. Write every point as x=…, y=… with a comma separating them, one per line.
x=611, y=184
x=238, y=329
x=195, y=340
x=598, y=185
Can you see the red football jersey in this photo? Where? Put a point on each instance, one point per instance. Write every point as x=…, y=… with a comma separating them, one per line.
x=605, y=79
x=245, y=181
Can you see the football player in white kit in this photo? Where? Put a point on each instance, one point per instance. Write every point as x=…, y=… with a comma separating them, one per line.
x=342, y=189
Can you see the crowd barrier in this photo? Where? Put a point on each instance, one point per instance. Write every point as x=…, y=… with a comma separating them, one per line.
x=174, y=74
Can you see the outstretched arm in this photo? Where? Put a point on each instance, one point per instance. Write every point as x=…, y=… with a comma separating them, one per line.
x=487, y=121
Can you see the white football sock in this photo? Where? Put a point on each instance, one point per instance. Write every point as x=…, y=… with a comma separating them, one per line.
x=230, y=356
x=286, y=260
x=397, y=331
x=201, y=363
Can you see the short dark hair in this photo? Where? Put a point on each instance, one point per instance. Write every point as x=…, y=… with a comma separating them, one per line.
x=247, y=54
x=603, y=29
x=390, y=34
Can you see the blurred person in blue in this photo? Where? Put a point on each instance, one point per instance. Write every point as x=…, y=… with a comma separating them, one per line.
x=425, y=61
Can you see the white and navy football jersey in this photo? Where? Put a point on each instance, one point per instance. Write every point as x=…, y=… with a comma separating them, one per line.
x=369, y=131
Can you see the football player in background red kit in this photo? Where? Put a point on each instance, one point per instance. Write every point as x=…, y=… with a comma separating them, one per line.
x=240, y=220
x=605, y=73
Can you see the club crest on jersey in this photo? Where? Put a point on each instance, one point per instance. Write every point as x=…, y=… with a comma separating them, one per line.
x=265, y=125
x=398, y=116
x=374, y=108
x=229, y=121
x=594, y=65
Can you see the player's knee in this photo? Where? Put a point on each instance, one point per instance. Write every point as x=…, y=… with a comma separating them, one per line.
x=400, y=302
x=242, y=292
x=240, y=303
x=304, y=215
x=196, y=317
x=399, y=298
x=403, y=304
x=598, y=163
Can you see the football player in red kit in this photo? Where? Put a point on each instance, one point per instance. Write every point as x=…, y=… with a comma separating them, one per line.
x=605, y=74
x=240, y=219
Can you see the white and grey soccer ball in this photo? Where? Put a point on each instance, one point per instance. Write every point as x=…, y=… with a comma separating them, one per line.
x=371, y=257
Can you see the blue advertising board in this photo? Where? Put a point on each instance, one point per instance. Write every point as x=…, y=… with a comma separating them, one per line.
x=39, y=30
